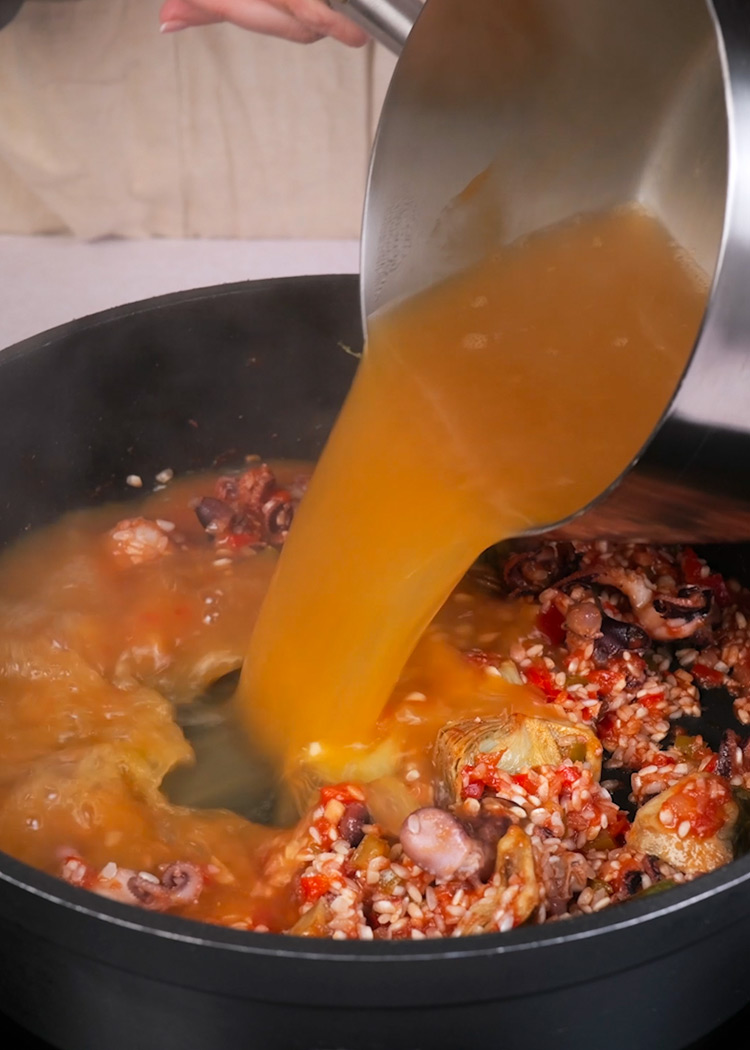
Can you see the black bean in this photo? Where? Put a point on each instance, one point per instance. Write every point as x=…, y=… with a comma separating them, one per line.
x=352, y=820
x=214, y=515
x=727, y=753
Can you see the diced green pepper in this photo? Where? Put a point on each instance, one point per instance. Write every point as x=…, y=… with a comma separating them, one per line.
x=314, y=923
x=684, y=743
x=600, y=884
x=370, y=847
x=604, y=841
x=658, y=887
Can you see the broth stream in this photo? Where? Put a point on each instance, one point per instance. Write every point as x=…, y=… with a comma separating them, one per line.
x=501, y=400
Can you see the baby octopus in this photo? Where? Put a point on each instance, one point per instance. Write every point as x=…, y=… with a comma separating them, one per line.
x=665, y=617
x=250, y=509
x=180, y=883
x=660, y=613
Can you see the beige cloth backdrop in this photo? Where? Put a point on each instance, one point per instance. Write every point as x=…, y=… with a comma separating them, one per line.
x=109, y=128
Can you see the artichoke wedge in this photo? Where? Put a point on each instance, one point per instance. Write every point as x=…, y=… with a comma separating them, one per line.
x=691, y=826
x=512, y=742
x=514, y=867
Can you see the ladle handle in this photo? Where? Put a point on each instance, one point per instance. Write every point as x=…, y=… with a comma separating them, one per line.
x=388, y=21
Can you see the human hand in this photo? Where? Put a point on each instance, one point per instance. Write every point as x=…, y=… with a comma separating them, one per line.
x=303, y=21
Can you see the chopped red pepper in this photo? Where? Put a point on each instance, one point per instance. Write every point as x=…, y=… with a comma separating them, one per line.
x=692, y=565
x=539, y=676
x=707, y=676
x=313, y=886
x=476, y=778
x=692, y=568
x=606, y=724
x=525, y=781
x=661, y=758
x=605, y=680
x=721, y=592
x=551, y=623
x=569, y=776
x=619, y=827
x=237, y=540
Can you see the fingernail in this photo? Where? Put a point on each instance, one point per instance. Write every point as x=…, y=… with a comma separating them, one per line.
x=172, y=27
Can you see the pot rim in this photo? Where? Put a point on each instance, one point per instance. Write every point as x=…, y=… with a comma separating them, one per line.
x=157, y=302
x=190, y=932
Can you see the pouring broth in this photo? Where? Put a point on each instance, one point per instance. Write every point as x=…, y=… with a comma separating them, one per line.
x=503, y=400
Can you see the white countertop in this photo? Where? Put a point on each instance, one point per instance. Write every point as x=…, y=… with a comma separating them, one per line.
x=45, y=281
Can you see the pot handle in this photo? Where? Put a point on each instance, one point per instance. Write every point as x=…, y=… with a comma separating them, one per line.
x=388, y=21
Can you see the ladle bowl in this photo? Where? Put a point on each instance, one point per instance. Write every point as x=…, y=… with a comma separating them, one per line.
x=505, y=116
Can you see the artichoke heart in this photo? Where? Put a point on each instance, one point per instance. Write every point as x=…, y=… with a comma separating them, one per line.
x=512, y=742
x=692, y=825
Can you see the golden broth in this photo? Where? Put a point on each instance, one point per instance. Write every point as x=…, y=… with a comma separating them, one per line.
x=503, y=399
x=101, y=658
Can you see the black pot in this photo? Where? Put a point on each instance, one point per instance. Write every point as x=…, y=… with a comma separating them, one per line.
x=263, y=367
x=8, y=11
